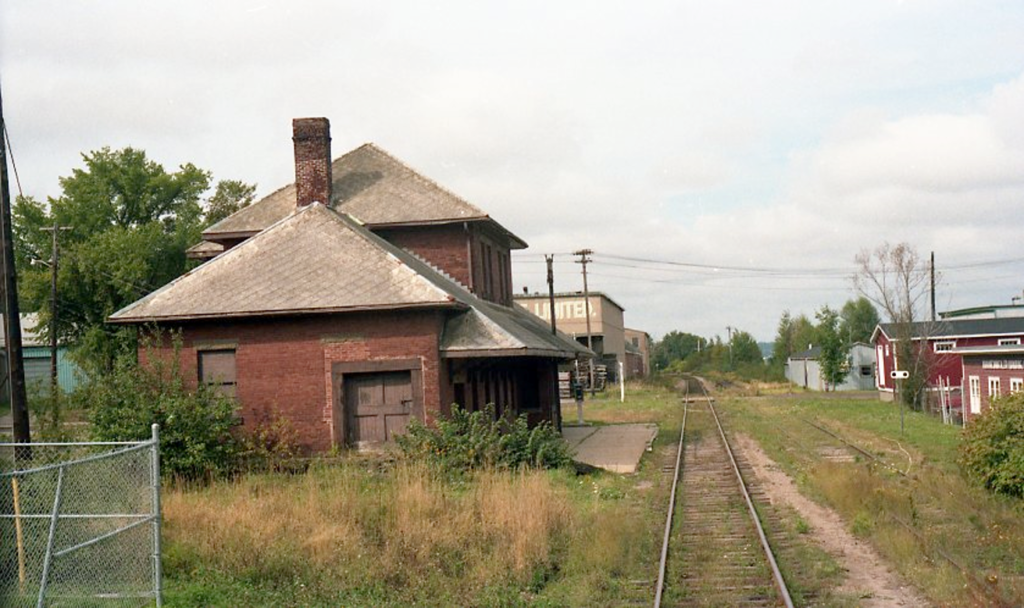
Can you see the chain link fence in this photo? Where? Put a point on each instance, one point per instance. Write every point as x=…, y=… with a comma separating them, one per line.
x=80, y=524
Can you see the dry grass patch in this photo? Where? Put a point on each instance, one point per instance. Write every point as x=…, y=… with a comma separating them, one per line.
x=335, y=529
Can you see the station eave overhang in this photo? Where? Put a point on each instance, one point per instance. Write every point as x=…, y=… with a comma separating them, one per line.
x=509, y=352
x=262, y=314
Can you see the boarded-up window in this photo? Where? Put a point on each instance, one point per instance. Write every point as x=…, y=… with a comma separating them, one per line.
x=217, y=369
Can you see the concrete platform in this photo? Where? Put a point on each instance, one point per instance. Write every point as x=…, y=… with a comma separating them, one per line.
x=617, y=448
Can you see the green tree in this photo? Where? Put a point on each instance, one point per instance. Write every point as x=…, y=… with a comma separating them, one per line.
x=794, y=334
x=783, y=339
x=228, y=197
x=675, y=346
x=130, y=222
x=833, y=358
x=805, y=334
x=858, y=319
x=745, y=348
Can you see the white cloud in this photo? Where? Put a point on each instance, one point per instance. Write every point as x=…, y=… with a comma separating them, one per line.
x=781, y=134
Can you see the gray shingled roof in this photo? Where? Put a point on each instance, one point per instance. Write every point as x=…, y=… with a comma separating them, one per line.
x=488, y=329
x=204, y=250
x=320, y=261
x=312, y=261
x=952, y=328
x=372, y=186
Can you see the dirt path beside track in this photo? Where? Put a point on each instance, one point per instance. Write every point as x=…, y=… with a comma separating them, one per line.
x=868, y=576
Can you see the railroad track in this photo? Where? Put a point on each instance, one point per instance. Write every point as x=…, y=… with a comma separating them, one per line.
x=714, y=552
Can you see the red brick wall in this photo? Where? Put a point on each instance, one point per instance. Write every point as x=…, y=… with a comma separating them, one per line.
x=446, y=247
x=284, y=365
x=312, y=139
x=478, y=261
x=492, y=269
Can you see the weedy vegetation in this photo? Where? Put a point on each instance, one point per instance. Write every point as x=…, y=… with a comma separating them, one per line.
x=958, y=543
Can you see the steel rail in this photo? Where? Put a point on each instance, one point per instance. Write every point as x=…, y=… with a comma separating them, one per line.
x=662, y=565
x=780, y=583
x=855, y=447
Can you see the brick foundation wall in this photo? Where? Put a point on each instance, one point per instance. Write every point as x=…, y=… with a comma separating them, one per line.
x=283, y=366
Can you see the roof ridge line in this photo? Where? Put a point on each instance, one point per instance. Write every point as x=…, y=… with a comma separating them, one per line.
x=421, y=177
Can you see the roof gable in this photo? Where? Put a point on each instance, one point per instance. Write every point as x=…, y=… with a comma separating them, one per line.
x=314, y=260
x=371, y=186
x=320, y=261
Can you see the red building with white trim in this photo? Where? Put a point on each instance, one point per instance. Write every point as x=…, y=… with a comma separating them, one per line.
x=990, y=372
x=944, y=341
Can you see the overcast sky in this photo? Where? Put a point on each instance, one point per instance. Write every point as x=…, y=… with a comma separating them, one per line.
x=766, y=142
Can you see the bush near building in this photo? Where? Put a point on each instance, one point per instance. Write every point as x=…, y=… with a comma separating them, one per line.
x=993, y=446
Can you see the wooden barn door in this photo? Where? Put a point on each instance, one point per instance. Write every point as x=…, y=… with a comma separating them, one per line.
x=378, y=406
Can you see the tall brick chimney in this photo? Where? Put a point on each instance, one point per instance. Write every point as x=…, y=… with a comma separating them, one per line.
x=312, y=138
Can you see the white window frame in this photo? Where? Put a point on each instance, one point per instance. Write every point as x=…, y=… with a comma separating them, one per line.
x=944, y=346
x=975, y=393
x=1016, y=385
x=1009, y=341
x=993, y=387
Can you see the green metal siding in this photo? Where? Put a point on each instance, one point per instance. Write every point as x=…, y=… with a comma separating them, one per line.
x=37, y=368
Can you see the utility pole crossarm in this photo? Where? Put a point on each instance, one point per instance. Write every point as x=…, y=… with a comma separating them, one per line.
x=584, y=260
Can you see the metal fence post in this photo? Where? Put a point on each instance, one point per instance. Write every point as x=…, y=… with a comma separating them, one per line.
x=158, y=515
x=49, y=541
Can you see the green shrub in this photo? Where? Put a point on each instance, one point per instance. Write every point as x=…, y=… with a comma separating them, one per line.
x=196, y=424
x=473, y=440
x=992, y=449
x=272, y=445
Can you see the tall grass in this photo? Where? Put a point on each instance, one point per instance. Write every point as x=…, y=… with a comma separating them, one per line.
x=355, y=532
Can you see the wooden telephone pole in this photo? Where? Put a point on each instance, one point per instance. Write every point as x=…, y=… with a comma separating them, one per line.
x=584, y=260
x=12, y=319
x=54, y=386
x=550, y=259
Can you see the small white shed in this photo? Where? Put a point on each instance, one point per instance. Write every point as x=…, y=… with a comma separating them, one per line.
x=803, y=369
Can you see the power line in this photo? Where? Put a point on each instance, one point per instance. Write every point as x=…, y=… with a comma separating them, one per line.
x=524, y=258
x=14, y=165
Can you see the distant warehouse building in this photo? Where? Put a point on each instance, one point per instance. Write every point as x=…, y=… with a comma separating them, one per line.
x=35, y=351
x=638, y=353
x=607, y=332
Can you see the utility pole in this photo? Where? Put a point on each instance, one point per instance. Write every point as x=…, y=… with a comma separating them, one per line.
x=933, y=286
x=729, y=329
x=54, y=387
x=550, y=259
x=584, y=260
x=12, y=317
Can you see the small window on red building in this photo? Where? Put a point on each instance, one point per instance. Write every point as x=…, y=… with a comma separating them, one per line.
x=993, y=387
x=217, y=369
x=944, y=347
